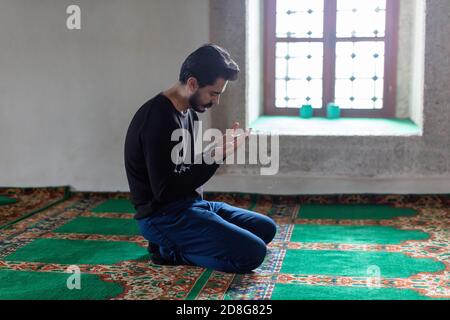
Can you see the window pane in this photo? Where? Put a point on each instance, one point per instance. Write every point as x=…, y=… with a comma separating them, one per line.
x=363, y=89
x=280, y=93
x=344, y=89
x=299, y=18
x=281, y=68
x=280, y=103
x=299, y=69
x=356, y=18
x=293, y=103
x=359, y=74
x=367, y=104
x=304, y=92
x=360, y=59
x=296, y=88
x=306, y=60
x=297, y=103
x=281, y=49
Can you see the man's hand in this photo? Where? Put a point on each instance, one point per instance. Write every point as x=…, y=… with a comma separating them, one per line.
x=231, y=141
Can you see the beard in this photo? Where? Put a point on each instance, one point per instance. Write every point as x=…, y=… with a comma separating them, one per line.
x=195, y=104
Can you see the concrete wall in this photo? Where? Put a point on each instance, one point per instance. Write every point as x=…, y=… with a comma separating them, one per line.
x=67, y=96
x=355, y=157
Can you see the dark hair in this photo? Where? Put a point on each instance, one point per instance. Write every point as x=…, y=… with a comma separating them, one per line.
x=207, y=64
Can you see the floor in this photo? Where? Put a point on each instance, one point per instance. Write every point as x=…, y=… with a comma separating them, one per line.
x=57, y=244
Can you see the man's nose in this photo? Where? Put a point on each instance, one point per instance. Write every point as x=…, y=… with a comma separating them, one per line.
x=216, y=100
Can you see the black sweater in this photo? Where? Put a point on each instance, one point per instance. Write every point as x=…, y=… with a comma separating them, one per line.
x=153, y=178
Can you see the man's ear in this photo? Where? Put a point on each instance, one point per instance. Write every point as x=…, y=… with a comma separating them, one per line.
x=192, y=84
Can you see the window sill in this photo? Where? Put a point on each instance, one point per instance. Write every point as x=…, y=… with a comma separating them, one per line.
x=317, y=126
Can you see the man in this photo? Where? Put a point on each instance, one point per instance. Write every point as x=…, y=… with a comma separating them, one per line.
x=180, y=225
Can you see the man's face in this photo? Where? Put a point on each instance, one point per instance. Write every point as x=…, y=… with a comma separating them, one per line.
x=206, y=97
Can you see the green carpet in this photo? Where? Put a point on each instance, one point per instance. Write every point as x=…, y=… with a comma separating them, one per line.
x=321, y=251
x=356, y=263
x=78, y=252
x=353, y=211
x=53, y=286
x=17, y=204
x=353, y=234
x=115, y=205
x=307, y=292
x=6, y=200
x=103, y=226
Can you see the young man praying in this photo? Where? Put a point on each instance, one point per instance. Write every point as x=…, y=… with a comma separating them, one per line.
x=182, y=227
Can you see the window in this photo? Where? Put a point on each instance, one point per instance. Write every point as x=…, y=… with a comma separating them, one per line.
x=322, y=51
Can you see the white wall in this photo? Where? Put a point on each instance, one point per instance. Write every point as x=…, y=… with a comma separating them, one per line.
x=67, y=96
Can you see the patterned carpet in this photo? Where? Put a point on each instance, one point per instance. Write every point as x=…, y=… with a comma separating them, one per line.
x=19, y=203
x=327, y=247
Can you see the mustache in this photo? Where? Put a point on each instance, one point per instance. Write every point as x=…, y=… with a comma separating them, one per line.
x=209, y=105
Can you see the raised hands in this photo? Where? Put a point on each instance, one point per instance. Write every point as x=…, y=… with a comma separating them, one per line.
x=231, y=141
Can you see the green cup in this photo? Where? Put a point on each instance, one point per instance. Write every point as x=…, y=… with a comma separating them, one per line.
x=306, y=111
x=333, y=111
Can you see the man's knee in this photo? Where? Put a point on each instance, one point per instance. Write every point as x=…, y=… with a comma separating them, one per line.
x=267, y=230
x=252, y=258
x=271, y=230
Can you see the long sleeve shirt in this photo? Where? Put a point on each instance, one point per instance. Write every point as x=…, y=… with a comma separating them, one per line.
x=153, y=177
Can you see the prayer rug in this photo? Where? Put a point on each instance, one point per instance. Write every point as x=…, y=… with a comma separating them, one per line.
x=338, y=247
x=19, y=203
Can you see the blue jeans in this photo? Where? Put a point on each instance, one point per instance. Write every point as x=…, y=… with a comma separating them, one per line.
x=210, y=234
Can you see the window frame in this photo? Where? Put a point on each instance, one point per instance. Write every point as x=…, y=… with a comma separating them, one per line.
x=329, y=61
